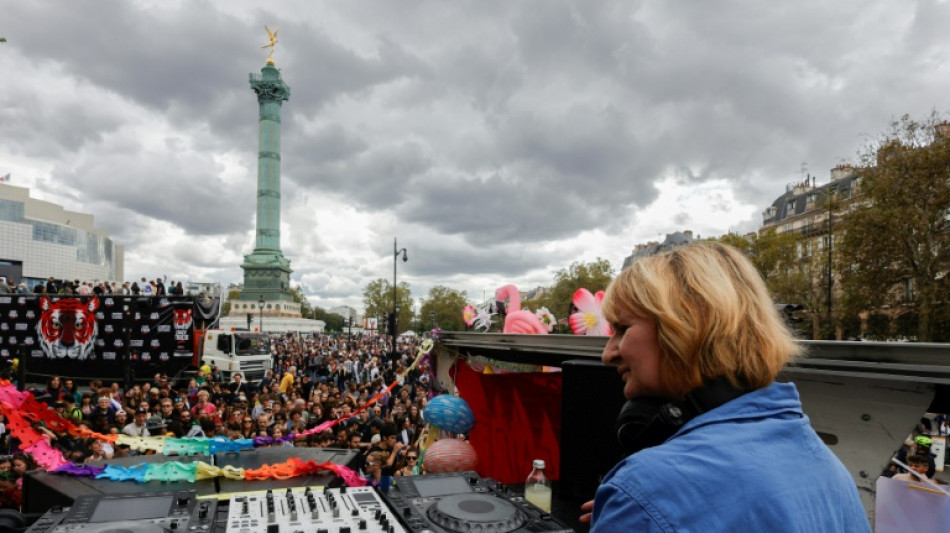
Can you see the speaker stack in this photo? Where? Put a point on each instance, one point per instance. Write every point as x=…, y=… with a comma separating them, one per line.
x=592, y=396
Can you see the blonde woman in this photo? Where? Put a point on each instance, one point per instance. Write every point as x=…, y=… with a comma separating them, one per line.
x=696, y=329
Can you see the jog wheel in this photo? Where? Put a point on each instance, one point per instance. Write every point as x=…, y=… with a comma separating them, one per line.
x=471, y=513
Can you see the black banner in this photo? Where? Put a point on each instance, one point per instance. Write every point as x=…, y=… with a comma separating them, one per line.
x=92, y=336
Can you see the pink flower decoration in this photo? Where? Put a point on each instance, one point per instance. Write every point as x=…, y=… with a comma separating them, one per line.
x=469, y=314
x=589, y=318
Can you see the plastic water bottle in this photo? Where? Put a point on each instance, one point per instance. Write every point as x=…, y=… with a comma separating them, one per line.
x=537, y=488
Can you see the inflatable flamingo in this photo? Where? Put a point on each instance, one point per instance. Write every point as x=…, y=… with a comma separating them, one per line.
x=518, y=321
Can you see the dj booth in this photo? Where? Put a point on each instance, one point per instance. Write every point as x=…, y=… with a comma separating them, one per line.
x=436, y=503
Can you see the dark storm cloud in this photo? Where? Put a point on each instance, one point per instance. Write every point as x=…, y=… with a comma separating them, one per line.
x=491, y=210
x=184, y=191
x=35, y=129
x=173, y=54
x=434, y=261
x=188, y=66
x=372, y=177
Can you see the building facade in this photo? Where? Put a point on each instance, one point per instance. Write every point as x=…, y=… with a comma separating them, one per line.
x=671, y=241
x=39, y=239
x=803, y=208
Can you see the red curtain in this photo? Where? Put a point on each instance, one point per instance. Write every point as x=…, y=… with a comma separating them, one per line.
x=517, y=420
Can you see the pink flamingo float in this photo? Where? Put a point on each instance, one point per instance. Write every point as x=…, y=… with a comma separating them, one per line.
x=518, y=321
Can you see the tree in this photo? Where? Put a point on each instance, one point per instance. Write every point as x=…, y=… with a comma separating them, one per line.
x=795, y=271
x=378, y=301
x=333, y=321
x=895, y=245
x=296, y=292
x=233, y=294
x=447, y=305
x=593, y=276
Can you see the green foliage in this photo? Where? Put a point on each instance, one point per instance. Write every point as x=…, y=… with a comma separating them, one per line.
x=333, y=321
x=899, y=231
x=296, y=292
x=593, y=276
x=378, y=300
x=233, y=294
x=795, y=271
x=447, y=306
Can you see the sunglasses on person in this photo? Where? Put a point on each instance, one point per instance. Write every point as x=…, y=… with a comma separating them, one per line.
x=412, y=458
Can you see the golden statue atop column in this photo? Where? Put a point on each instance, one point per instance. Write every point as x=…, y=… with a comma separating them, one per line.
x=272, y=37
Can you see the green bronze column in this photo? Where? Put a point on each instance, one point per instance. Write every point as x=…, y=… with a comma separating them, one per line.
x=266, y=270
x=271, y=92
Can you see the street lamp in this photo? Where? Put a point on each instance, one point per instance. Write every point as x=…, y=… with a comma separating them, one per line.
x=832, y=191
x=432, y=317
x=396, y=252
x=260, y=304
x=349, y=334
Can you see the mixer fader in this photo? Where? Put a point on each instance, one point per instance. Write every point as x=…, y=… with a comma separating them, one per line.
x=340, y=510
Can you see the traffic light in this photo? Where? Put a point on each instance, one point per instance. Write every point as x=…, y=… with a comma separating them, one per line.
x=391, y=323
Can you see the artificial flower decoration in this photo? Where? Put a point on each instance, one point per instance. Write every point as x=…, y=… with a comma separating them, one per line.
x=546, y=318
x=468, y=315
x=483, y=318
x=589, y=318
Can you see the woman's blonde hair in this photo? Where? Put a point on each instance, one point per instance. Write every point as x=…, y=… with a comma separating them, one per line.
x=713, y=313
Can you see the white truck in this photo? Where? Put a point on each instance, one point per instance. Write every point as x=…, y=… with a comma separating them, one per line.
x=236, y=352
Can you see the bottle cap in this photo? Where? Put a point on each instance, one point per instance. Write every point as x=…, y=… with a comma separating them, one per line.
x=539, y=463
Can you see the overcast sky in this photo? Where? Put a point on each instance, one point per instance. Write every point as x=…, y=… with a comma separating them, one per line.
x=498, y=140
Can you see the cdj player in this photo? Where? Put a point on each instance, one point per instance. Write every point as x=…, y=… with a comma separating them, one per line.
x=462, y=502
x=154, y=512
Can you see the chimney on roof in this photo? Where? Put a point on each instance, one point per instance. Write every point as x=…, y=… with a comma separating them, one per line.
x=843, y=170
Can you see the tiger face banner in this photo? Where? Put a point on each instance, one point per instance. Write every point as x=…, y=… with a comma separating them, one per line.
x=72, y=335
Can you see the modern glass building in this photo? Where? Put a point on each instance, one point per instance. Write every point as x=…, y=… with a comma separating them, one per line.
x=40, y=239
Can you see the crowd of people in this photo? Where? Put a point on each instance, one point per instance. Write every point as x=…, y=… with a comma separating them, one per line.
x=314, y=379
x=144, y=287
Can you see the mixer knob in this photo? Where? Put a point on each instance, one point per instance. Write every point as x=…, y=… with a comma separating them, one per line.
x=356, y=512
x=362, y=524
x=345, y=529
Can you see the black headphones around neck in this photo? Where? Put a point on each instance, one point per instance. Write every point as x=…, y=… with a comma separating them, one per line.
x=646, y=422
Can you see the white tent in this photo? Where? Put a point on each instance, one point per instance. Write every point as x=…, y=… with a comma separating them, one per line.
x=408, y=333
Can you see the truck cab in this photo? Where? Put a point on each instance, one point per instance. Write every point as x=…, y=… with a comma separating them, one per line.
x=237, y=352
